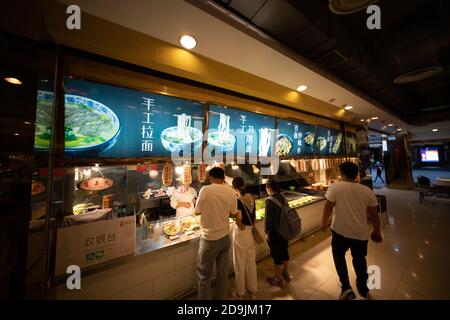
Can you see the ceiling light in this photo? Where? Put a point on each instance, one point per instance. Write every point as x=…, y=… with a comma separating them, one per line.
x=399, y=129
x=362, y=120
x=390, y=125
x=27, y=122
x=347, y=107
x=374, y=118
x=188, y=42
x=302, y=88
x=435, y=130
x=13, y=80
x=16, y=134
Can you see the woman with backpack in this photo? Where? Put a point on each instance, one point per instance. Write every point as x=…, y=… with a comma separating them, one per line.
x=277, y=244
x=244, y=252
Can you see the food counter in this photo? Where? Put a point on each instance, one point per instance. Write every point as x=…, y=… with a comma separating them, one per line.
x=142, y=247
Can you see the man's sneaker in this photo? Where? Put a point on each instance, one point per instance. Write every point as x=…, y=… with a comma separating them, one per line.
x=275, y=281
x=367, y=296
x=347, y=294
x=287, y=276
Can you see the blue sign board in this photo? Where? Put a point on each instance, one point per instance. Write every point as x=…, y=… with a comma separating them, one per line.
x=103, y=121
x=295, y=138
x=329, y=142
x=241, y=131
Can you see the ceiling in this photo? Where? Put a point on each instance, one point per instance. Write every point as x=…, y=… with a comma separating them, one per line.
x=414, y=34
x=219, y=41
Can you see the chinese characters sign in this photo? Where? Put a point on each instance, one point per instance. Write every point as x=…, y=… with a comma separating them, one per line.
x=329, y=141
x=93, y=243
x=103, y=121
x=244, y=132
x=295, y=138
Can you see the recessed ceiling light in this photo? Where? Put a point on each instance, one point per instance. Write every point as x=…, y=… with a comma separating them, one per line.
x=362, y=120
x=390, y=125
x=399, y=129
x=13, y=80
x=347, y=107
x=27, y=122
x=374, y=118
x=435, y=130
x=302, y=88
x=16, y=134
x=188, y=42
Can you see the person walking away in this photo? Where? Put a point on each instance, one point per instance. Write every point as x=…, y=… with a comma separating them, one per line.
x=353, y=203
x=379, y=172
x=277, y=244
x=244, y=252
x=216, y=203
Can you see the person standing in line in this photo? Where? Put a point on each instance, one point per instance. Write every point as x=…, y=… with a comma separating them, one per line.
x=355, y=205
x=216, y=203
x=277, y=244
x=379, y=172
x=244, y=253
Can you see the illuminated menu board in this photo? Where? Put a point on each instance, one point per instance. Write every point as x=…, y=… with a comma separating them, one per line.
x=294, y=138
x=241, y=131
x=351, y=143
x=329, y=141
x=103, y=121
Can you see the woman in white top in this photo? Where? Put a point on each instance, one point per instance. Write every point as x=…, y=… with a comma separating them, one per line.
x=183, y=200
x=244, y=254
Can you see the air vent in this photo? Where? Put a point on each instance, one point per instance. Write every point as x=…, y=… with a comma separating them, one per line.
x=349, y=6
x=438, y=108
x=331, y=59
x=421, y=123
x=418, y=75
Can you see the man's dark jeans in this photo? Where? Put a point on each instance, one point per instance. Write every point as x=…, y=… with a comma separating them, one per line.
x=358, y=248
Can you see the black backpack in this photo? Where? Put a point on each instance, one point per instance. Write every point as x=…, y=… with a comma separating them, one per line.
x=290, y=223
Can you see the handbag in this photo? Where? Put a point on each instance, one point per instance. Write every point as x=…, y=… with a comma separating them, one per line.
x=259, y=239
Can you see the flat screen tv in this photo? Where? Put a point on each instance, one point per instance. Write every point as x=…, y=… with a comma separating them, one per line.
x=429, y=154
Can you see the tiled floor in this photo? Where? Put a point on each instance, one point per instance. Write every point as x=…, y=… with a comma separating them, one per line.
x=414, y=258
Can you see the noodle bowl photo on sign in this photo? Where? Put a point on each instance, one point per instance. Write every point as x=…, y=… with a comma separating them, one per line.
x=175, y=138
x=89, y=125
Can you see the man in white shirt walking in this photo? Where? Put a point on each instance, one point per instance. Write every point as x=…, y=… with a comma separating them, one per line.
x=355, y=205
x=216, y=203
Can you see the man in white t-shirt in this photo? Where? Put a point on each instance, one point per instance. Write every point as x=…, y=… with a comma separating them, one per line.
x=216, y=203
x=354, y=206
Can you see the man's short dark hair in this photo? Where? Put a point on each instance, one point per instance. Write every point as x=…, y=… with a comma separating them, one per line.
x=349, y=169
x=217, y=173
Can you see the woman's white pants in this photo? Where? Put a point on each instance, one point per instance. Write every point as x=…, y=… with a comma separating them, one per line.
x=244, y=260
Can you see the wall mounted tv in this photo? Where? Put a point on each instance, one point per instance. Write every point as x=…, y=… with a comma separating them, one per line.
x=429, y=154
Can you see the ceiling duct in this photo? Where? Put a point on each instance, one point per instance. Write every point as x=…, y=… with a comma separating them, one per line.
x=349, y=6
x=419, y=75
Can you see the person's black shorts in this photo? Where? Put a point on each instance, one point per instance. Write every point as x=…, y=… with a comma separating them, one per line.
x=278, y=248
